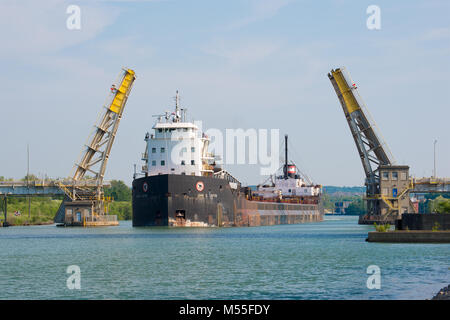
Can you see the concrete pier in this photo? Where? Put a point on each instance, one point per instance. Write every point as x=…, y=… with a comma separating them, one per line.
x=411, y=236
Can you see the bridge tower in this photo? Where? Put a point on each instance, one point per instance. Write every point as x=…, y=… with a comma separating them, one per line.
x=86, y=194
x=387, y=197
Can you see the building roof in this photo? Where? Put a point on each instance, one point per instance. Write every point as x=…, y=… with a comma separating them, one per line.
x=394, y=167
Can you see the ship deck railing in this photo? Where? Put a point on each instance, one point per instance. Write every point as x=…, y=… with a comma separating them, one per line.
x=288, y=200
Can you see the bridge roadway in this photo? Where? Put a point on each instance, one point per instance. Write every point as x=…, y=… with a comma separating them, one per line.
x=33, y=188
x=43, y=187
x=431, y=185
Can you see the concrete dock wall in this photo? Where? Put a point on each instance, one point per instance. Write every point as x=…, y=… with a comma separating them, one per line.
x=426, y=221
x=416, y=236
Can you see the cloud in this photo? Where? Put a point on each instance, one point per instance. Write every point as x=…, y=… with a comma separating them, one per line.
x=130, y=1
x=239, y=52
x=38, y=27
x=260, y=10
x=436, y=34
x=140, y=49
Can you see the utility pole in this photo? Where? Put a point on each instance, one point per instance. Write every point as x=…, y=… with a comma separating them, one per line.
x=434, y=171
x=28, y=178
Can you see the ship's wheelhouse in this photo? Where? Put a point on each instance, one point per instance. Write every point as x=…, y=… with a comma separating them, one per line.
x=177, y=146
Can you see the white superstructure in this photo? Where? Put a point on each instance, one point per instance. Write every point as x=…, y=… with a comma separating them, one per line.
x=287, y=187
x=177, y=146
x=290, y=184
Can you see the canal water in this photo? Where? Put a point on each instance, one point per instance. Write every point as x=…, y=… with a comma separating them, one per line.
x=326, y=260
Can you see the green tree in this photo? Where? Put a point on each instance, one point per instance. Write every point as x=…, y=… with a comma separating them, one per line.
x=31, y=177
x=2, y=178
x=327, y=202
x=122, y=209
x=439, y=205
x=357, y=207
x=119, y=191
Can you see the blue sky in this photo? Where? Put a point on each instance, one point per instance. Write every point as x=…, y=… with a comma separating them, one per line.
x=237, y=64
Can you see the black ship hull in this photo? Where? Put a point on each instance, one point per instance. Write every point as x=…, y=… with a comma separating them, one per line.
x=182, y=200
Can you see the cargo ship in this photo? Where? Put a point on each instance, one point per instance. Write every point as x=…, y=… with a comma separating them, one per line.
x=181, y=184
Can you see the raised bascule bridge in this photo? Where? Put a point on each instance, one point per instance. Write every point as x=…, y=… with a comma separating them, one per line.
x=84, y=202
x=388, y=185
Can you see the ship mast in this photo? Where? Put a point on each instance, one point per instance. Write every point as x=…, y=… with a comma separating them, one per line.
x=285, y=156
x=177, y=107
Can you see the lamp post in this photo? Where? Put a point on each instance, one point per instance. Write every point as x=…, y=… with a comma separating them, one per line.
x=434, y=171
